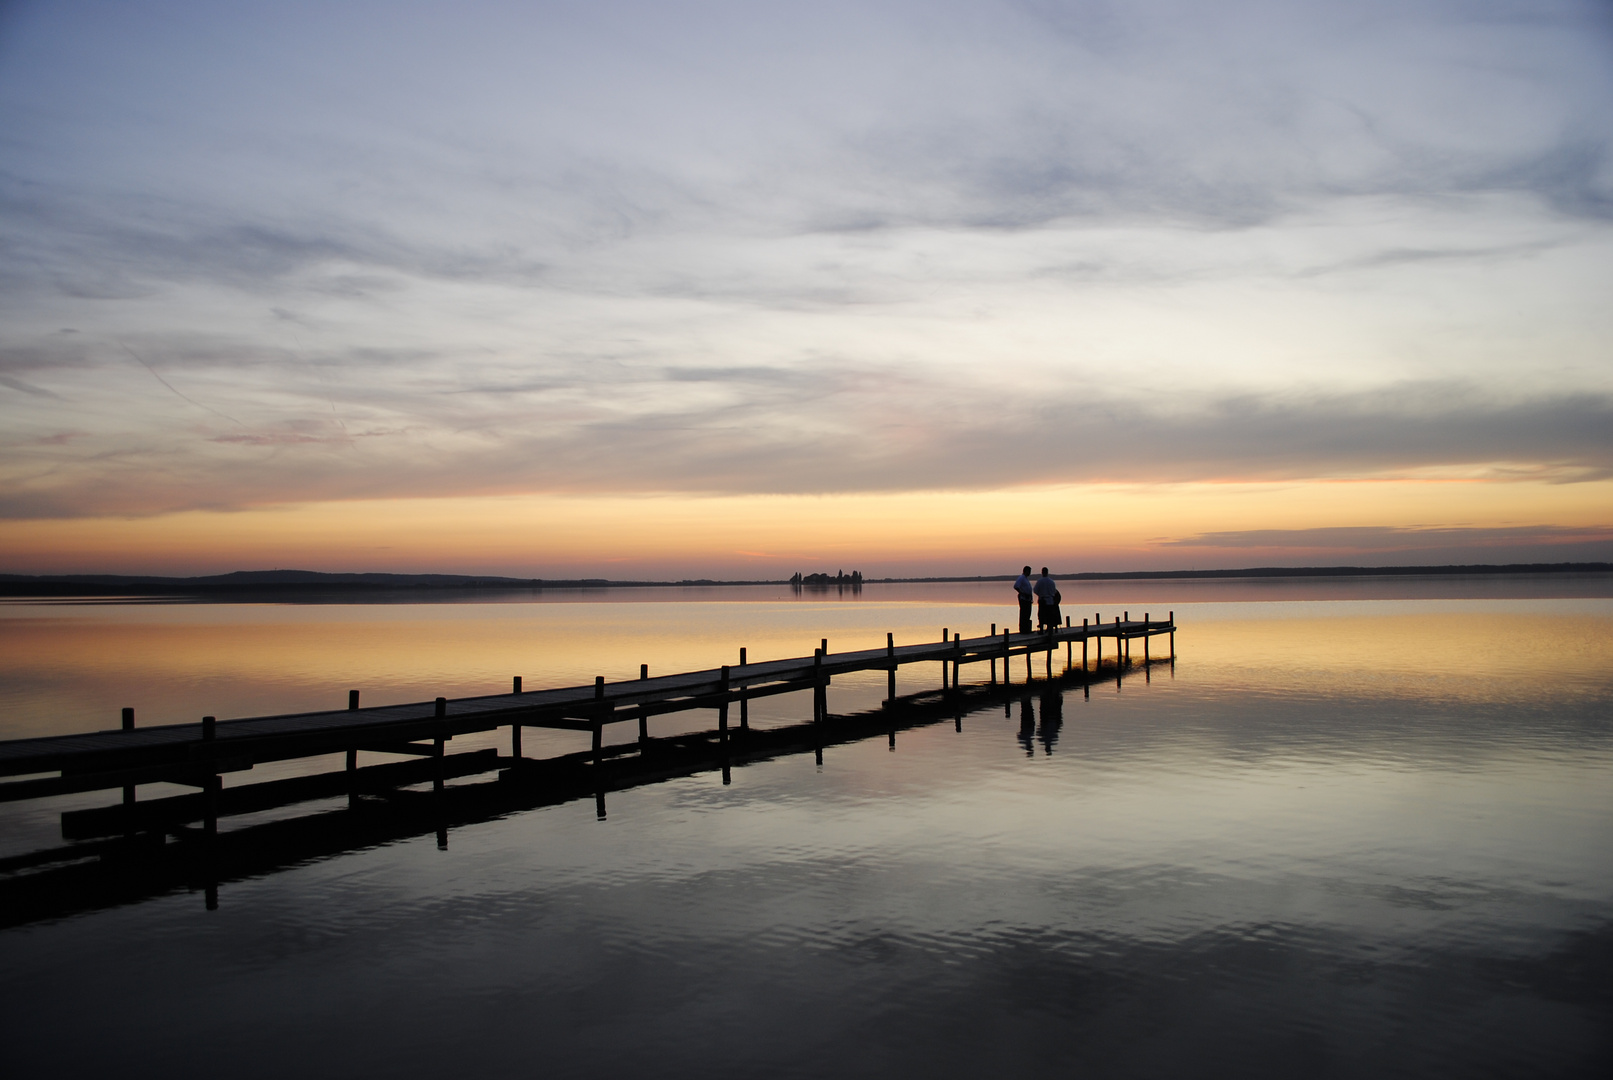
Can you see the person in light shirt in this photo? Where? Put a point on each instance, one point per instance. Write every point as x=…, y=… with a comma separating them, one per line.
x=1022, y=586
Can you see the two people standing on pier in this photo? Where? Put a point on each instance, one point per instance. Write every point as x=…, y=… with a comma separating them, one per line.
x=1048, y=598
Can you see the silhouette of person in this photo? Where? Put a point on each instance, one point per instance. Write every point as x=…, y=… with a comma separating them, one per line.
x=1022, y=586
x=1048, y=597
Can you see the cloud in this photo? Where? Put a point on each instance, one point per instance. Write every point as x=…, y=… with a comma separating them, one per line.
x=1395, y=538
x=1377, y=545
x=877, y=247
x=836, y=428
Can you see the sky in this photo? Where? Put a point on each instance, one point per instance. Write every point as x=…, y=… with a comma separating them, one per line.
x=736, y=289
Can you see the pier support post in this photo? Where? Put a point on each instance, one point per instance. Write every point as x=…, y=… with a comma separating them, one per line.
x=437, y=745
x=722, y=727
x=1145, y=639
x=820, y=701
x=352, y=778
x=1173, y=637
x=515, y=741
x=890, y=668
x=599, y=717
x=352, y=699
x=722, y=707
x=209, y=733
x=957, y=657
x=994, y=659
x=1083, y=646
x=946, y=634
x=128, y=789
x=644, y=711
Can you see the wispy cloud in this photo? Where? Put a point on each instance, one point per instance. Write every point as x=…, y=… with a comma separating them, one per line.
x=741, y=249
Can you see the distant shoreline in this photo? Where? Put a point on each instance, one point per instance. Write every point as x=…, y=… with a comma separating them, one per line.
x=291, y=583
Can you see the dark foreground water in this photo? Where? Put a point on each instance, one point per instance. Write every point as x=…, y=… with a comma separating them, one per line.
x=1341, y=838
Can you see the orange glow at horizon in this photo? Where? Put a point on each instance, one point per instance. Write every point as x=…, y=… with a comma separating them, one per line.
x=1077, y=527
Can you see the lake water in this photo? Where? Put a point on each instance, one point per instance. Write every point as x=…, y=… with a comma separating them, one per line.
x=1356, y=829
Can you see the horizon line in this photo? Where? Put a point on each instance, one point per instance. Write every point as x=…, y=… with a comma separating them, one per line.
x=280, y=580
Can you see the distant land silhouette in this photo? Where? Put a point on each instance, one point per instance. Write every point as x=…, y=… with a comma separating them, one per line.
x=303, y=584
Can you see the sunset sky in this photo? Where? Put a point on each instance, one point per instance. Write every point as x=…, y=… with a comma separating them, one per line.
x=733, y=290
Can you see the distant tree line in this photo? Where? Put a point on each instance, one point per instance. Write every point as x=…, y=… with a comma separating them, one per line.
x=839, y=577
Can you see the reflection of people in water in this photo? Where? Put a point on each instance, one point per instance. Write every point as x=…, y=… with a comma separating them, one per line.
x=1027, y=725
x=1052, y=717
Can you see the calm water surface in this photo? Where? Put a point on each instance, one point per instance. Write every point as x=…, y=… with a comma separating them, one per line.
x=1355, y=830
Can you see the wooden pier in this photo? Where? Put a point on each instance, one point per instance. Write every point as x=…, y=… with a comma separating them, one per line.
x=122, y=852
x=197, y=754
x=118, y=855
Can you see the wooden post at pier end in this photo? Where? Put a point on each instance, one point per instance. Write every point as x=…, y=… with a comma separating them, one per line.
x=744, y=698
x=1173, y=636
x=644, y=710
x=890, y=671
x=599, y=717
x=352, y=697
x=1145, y=639
x=209, y=734
x=722, y=707
x=1097, y=642
x=994, y=659
x=818, y=697
x=1083, y=645
x=1128, y=641
x=945, y=631
x=957, y=652
x=515, y=727
x=128, y=789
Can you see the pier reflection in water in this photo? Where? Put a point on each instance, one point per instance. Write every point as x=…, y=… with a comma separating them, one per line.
x=1350, y=838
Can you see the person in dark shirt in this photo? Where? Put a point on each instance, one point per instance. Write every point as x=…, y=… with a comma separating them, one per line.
x=1022, y=586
